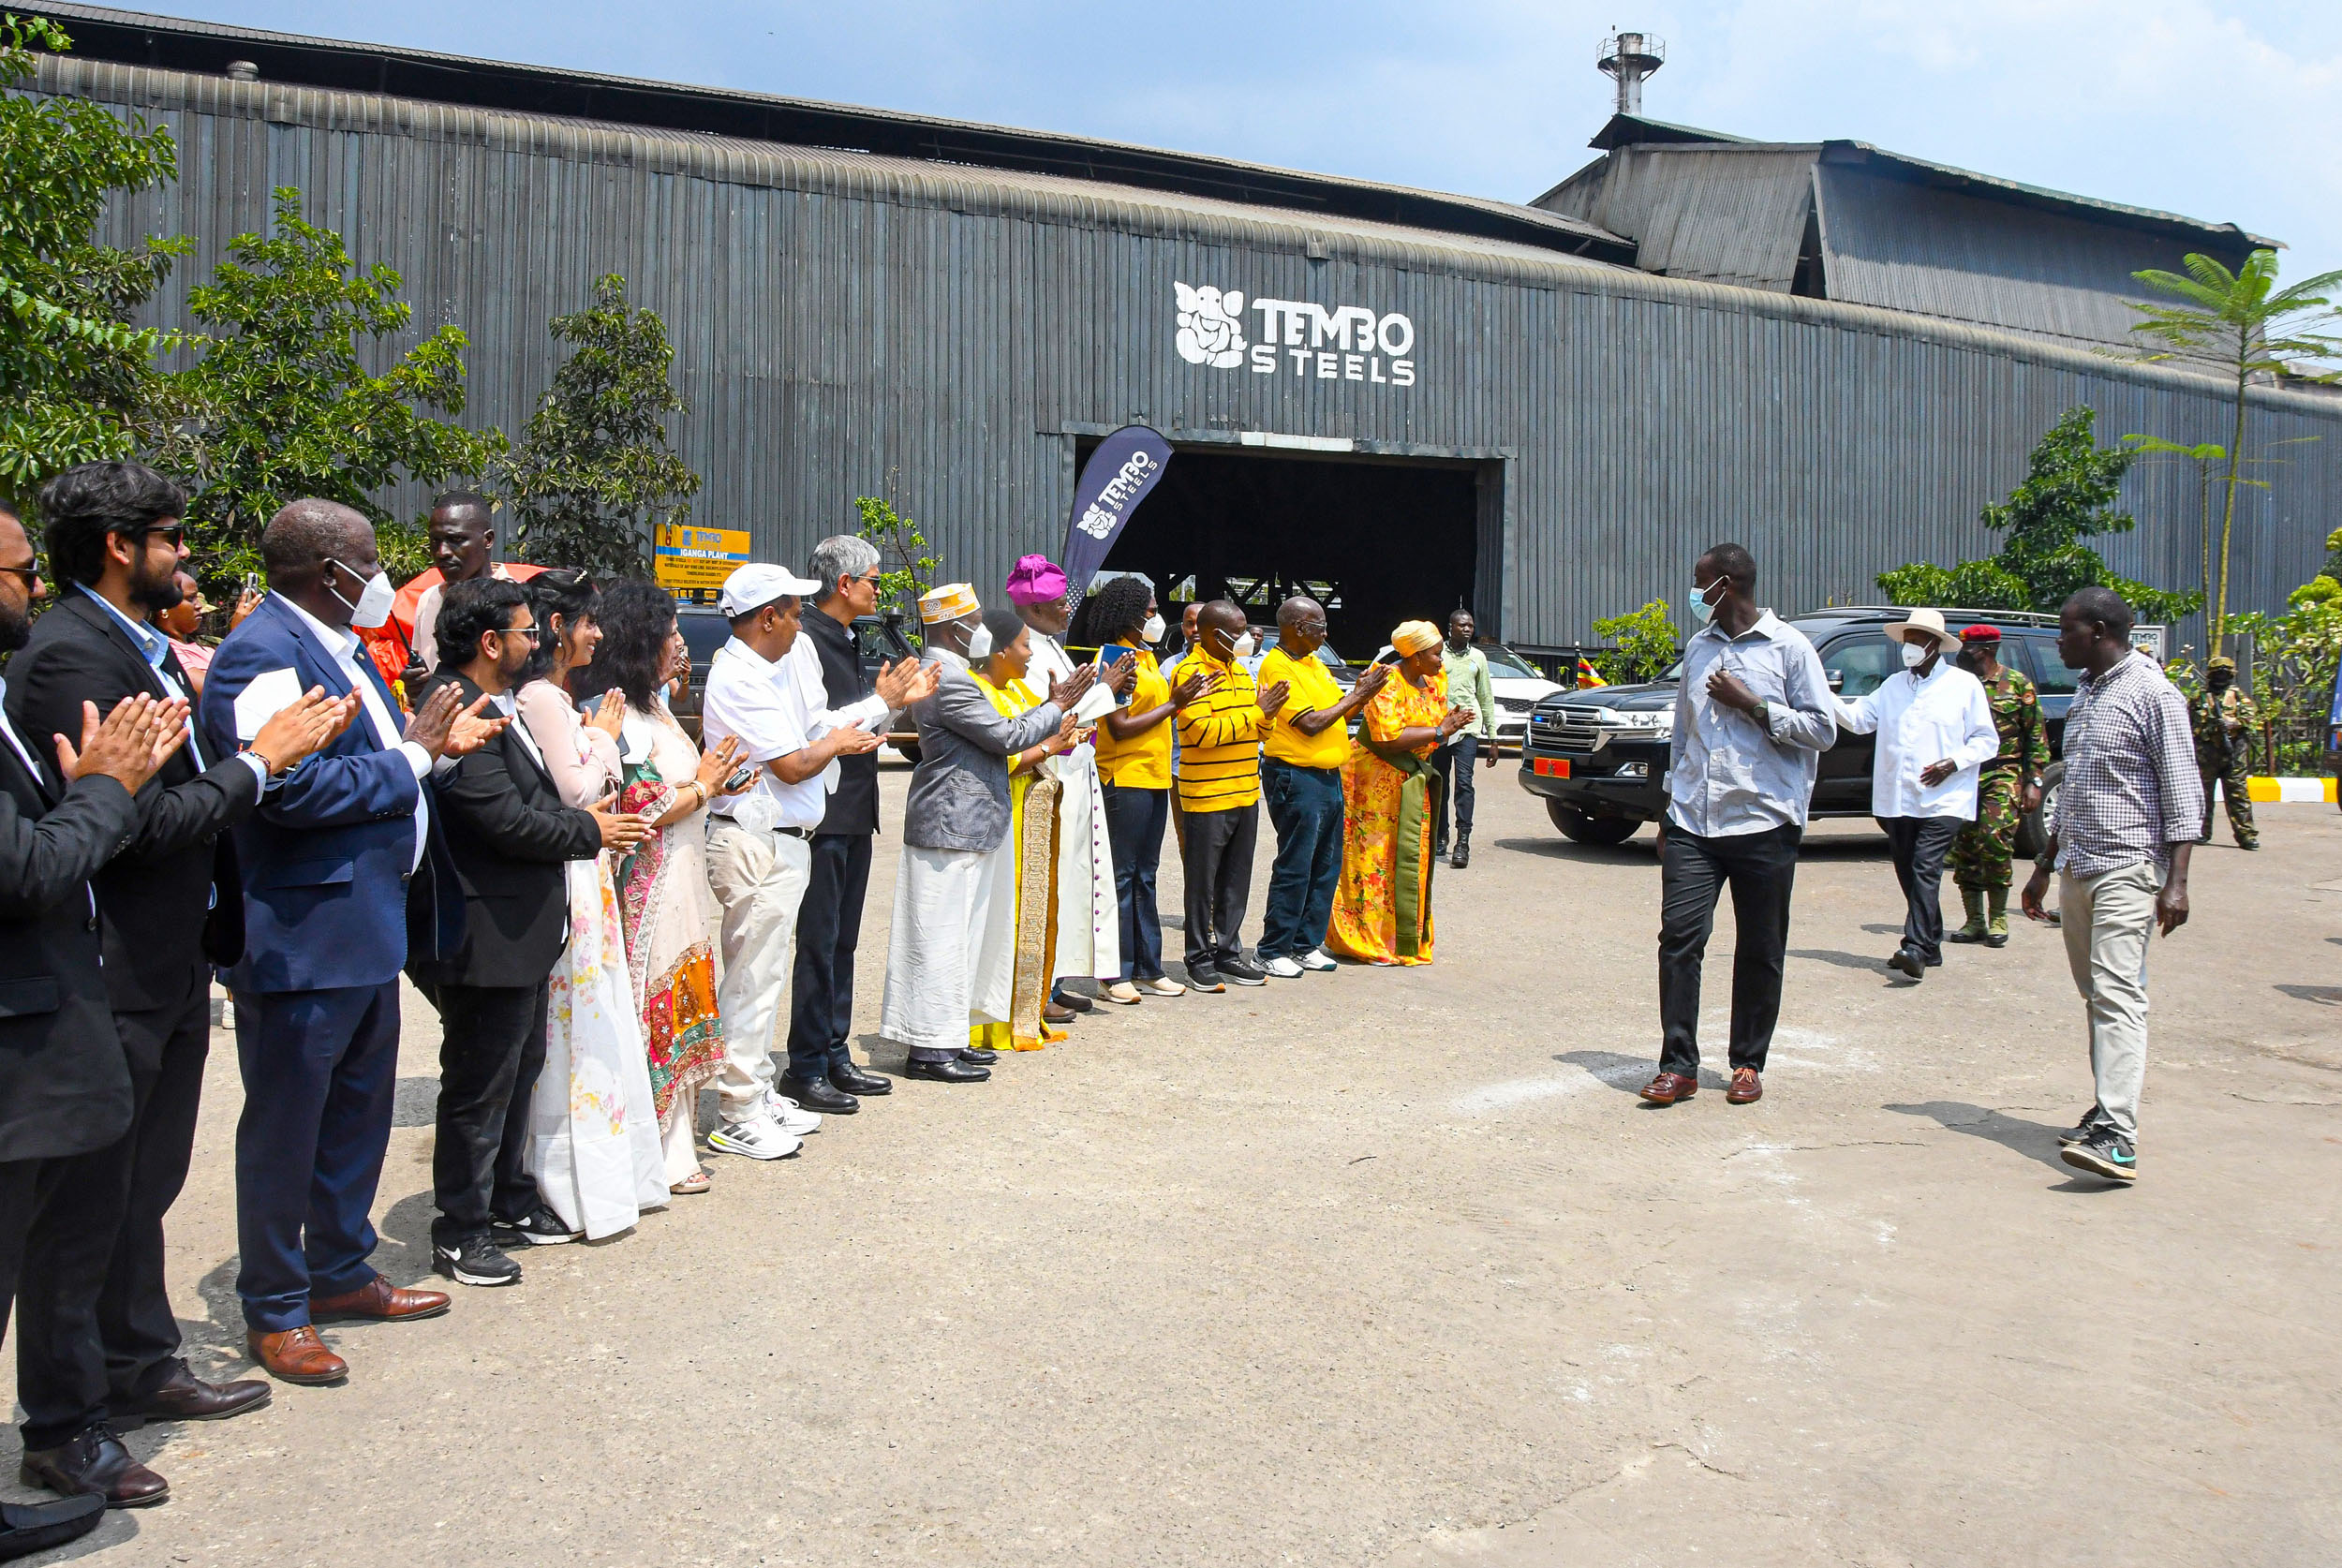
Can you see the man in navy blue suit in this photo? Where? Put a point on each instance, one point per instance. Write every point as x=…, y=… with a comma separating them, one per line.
x=327, y=862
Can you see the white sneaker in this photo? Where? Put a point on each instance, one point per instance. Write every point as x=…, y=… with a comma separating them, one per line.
x=1162, y=986
x=759, y=1139
x=794, y=1120
x=1282, y=968
x=1315, y=959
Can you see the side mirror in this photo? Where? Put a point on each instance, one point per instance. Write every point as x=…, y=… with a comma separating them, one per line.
x=1837, y=679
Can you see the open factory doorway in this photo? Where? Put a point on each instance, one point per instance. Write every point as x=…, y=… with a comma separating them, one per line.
x=1378, y=540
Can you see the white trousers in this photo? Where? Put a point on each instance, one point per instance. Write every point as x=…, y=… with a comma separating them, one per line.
x=760, y=879
x=940, y=898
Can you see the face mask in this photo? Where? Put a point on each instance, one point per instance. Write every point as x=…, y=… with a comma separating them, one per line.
x=1244, y=646
x=980, y=644
x=373, y=608
x=1914, y=655
x=1702, y=611
x=1153, y=628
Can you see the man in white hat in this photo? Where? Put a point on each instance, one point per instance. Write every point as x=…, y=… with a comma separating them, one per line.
x=759, y=851
x=1936, y=732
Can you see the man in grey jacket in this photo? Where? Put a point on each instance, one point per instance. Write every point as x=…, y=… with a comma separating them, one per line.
x=957, y=814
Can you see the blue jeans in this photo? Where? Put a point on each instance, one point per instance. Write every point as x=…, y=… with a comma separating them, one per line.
x=1305, y=806
x=1135, y=819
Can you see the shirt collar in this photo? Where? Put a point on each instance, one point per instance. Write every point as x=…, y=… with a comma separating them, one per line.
x=344, y=645
x=1768, y=625
x=2089, y=682
x=946, y=658
x=738, y=649
x=151, y=645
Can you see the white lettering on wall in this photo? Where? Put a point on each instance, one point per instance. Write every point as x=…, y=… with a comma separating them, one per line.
x=1297, y=337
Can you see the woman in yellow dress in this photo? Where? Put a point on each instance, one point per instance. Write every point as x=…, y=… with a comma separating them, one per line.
x=1383, y=907
x=1017, y=935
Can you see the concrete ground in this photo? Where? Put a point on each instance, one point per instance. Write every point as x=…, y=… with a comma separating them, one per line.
x=1391, y=1267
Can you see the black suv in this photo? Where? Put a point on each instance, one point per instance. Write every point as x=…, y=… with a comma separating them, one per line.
x=878, y=639
x=1599, y=756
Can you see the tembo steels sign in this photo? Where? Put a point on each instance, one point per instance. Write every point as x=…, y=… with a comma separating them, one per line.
x=1296, y=337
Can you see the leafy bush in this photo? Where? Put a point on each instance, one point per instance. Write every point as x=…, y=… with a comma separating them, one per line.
x=1643, y=644
x=899, y=543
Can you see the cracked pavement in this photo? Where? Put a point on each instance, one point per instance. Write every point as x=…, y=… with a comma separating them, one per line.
x=1391, y=1268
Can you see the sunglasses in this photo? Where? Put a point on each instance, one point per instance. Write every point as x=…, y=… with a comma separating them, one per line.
x=28, y=575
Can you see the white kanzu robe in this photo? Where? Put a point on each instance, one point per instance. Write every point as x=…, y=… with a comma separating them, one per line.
x=1089, y=922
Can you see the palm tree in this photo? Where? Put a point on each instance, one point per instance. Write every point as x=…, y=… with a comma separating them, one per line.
x=2245, y=326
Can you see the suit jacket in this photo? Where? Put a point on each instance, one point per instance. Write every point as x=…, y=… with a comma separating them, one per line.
x=156, y=897
x=959, y=791
x=65, y=1084
x=854, y=803
x=326, y=858
x=511, y=840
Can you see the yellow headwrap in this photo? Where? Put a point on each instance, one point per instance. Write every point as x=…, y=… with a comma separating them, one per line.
x=1412, y=637
x=948, y=603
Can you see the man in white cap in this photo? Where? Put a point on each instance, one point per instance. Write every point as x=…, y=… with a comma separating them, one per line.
x=760, y=842
x=1935, y=728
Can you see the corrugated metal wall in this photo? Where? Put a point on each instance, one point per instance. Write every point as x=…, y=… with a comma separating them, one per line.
x=849, y=325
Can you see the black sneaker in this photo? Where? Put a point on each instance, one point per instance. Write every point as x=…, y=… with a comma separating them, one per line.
x=542, y=1228
x=2082, y=1130
x=1203, y=977
x=1241, y=971
x=2104, y=1153
x=478, y=1262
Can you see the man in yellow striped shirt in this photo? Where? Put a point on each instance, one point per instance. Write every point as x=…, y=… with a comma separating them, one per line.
x=1218, y=782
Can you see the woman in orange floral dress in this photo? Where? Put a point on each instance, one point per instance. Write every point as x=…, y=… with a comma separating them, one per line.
x=1383, y=906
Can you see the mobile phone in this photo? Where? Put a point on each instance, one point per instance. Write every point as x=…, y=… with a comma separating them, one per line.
x=252, y=581
x=742, y=776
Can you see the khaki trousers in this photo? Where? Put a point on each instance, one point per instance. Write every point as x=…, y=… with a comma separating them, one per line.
x=2107, y=920
x=760, y=879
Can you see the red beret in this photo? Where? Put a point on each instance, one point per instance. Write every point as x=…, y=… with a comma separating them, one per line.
x=1980, y=634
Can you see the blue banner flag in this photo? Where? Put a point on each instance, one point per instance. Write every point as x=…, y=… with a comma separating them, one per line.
x=1116, y=478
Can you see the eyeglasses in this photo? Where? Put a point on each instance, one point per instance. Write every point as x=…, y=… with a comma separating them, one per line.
x=870, y=577
x=173, y=534
x=532, y=632
x=29, y=575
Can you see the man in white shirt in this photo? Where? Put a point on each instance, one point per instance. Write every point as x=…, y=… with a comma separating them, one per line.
x=759, y=851
x=1935, y=728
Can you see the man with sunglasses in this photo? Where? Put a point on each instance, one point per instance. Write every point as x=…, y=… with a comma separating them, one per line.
x=104, y=1343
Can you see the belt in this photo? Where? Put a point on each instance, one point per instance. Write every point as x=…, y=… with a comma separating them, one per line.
x=790, y=832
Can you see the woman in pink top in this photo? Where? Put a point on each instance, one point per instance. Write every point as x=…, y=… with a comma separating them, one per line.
x=180, y=623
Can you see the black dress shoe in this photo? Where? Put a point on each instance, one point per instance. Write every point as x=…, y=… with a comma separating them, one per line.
x=1463, y=856
x=1072, y=1000
x=816, y=1094
x=947, y=1072
x=188, y=1398
x=851, y=1079
x=982, y=1055
x=26, y=1528
x=94, y=1464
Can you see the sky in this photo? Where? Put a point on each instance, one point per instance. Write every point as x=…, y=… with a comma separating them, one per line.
x=2217, y=110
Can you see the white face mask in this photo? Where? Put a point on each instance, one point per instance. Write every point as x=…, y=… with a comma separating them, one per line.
x=1153, y=628
x=1914, y=655
x=1702, y=611
x=1244, y=646
x=980, y=644
x=373, y=608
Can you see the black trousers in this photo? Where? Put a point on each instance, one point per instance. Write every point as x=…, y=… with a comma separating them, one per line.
x=829, y=928
x=490, y=1053
x=1216, y=858
x=100, y=1328
x=20, y=1184
x=1456, y=787
x=1761, y=869
x=1919, y=845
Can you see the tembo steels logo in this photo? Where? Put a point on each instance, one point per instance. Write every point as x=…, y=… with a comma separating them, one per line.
x=1345, y=342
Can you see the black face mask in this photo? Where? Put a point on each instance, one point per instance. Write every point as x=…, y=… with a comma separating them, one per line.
x=2221, y=682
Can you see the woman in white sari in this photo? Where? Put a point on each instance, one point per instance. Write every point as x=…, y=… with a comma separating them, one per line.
x=593, y=1142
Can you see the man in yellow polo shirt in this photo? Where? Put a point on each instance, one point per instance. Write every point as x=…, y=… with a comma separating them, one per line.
x=1217, y=779
x=1301, y=779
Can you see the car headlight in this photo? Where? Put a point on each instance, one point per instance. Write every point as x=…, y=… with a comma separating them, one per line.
x=1646, y=721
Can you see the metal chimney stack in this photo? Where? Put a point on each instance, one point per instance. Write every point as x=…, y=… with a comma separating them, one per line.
x=1627, y=58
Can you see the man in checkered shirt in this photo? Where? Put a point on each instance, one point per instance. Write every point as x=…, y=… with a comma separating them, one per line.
x=2129, y=810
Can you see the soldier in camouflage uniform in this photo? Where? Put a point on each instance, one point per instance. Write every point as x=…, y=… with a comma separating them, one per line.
x=2224, y=718
x=2008, y=788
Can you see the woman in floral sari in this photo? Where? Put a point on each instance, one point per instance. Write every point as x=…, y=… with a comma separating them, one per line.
x=1383, y=906
x=663, y=902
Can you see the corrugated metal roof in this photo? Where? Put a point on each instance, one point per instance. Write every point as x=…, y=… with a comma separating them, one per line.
x=1721, y=215
x=132, y=37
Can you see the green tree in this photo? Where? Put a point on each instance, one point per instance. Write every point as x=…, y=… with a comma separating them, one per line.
x=74, y=375
x=900, y=542
x=2242, y=326
x=593, y=477
x=2067, y=496
x=280, y=406
x=1642, y=641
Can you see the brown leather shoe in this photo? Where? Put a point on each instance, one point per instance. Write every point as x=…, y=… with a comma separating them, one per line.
x=296, y=1355
x=1747, y=1089
x=188, y=1398
x=377, y=1301
x=1669, y=1087
x=94, y=1464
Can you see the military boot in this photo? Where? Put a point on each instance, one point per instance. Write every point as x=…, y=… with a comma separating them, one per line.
x=1972, y=900
x=1996, y=928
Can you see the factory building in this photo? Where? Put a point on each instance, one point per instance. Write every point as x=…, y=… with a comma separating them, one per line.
x=1541, y=410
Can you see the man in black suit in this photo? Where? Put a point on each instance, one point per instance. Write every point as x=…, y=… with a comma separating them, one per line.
x=511, y=840
x=65, y=1088
x=99, y=1337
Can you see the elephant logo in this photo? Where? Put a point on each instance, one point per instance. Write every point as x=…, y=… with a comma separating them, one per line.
x=1210, y=326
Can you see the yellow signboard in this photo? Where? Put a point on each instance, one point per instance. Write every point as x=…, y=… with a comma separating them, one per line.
x=687, y=556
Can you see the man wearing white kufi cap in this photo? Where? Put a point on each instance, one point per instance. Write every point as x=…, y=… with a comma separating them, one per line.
x=957, y=814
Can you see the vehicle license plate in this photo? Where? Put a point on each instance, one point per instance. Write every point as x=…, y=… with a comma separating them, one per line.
x=1550, y=767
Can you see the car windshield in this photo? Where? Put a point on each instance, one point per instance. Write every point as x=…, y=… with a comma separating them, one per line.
x=1507, y=664
x=1326, y=655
